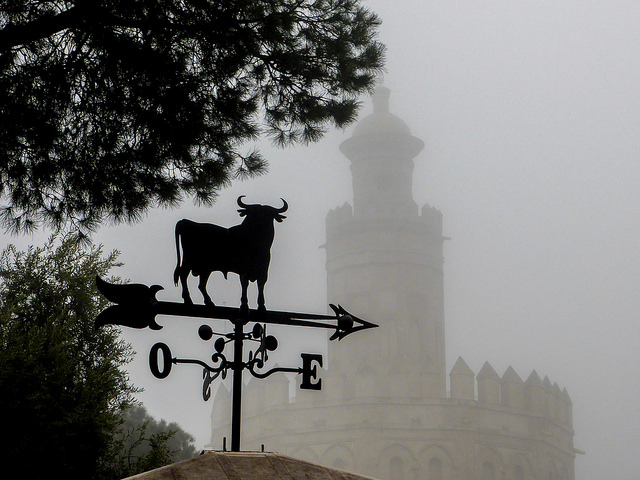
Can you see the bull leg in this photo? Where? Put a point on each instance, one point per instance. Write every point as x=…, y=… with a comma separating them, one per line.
x=184, y=274
x=202, y=286
x=262, y=309
x=244, y=300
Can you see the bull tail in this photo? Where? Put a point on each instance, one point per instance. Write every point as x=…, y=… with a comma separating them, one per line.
x=176, y=272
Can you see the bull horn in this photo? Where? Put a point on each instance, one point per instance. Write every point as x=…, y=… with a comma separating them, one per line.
x=241, y=203
x=284, y=206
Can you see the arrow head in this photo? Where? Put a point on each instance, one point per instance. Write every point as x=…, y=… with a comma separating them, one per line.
x=347, y=323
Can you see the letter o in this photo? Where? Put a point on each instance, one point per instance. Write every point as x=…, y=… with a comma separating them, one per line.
x=166, y=360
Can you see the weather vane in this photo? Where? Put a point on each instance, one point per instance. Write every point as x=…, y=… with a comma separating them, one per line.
x=245, y=249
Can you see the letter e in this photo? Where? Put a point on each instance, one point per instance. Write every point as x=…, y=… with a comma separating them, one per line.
x=310, y=371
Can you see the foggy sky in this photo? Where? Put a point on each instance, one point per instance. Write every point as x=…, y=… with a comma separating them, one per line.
x=530, y=115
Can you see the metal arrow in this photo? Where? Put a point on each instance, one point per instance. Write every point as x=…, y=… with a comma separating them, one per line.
x=137, y=307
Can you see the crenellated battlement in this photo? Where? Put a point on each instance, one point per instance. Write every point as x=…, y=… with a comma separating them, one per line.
x=429, y=216
x=339, y=216
x=516, y=419
x=533, y=395
x=432, y=217
x=416, y=240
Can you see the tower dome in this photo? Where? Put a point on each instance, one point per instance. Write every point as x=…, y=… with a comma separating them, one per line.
x=381, y=121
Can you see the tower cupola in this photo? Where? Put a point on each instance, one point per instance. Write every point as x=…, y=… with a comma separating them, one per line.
x=381, y=150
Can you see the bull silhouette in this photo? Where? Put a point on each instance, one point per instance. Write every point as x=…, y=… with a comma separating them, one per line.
x=243, y=249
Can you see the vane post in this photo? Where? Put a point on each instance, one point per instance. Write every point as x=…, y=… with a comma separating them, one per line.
x=236, y=410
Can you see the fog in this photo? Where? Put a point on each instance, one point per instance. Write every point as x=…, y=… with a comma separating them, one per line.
x=530, y=114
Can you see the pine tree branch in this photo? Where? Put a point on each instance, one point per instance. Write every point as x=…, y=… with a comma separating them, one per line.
x=15, y=35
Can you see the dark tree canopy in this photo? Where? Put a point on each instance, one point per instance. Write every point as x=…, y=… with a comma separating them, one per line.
x=109, y=107
x=67, y=404
x=62, y=383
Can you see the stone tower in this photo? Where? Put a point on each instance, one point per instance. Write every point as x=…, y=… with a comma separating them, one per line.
x=385, y=262
x=385, y=410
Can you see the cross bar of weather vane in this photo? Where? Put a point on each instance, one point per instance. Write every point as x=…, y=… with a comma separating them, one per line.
x=137, y=307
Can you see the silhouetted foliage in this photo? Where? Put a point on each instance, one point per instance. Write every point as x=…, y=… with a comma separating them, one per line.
x=142, y=444
x=109, y=107
x=67, y=404
x=63, y=388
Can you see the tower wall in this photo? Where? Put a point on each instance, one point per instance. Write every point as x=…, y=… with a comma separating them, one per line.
x=391, y=271
x=469, y=437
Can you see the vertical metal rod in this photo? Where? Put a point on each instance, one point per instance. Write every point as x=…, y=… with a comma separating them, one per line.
x=236, y=411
